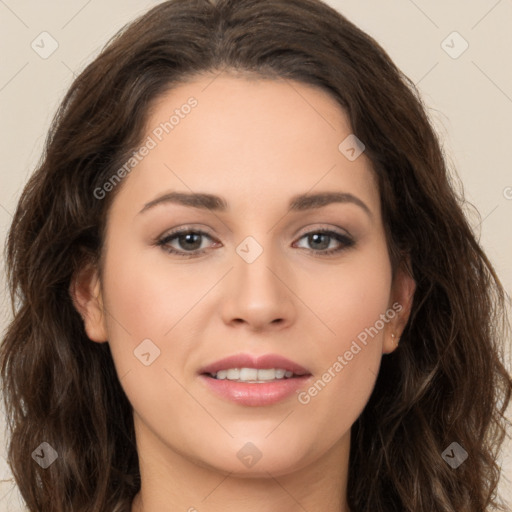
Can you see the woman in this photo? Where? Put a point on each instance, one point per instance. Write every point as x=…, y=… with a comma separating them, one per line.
x=330, y=340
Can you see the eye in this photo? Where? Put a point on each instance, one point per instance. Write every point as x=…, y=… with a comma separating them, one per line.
x=320, y=240
x=188, y=240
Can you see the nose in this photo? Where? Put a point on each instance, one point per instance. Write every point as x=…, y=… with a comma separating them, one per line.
x=259, y=294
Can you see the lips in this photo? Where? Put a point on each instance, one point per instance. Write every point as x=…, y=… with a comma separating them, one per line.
x=266, y=361
x=248, y=392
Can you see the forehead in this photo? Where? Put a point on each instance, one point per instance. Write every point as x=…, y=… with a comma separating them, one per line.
x=248, y=139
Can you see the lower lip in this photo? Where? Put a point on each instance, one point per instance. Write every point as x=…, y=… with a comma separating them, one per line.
x=255, y=394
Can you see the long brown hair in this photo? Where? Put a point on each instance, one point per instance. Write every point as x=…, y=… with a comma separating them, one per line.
x=445, y=383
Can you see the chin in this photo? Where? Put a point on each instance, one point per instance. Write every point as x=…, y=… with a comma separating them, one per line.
x=250, y=462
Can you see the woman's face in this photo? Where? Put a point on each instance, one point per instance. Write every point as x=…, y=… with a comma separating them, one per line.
x=254, y=277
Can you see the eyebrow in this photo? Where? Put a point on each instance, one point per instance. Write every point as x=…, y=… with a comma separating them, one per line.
x=297, y=203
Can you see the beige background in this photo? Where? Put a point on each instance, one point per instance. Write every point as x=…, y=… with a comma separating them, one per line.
x=469, y=99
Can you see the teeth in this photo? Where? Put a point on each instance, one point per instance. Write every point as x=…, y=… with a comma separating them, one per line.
x=249, y=374
x=268, y=374
x=252, y=374
x=233, y=374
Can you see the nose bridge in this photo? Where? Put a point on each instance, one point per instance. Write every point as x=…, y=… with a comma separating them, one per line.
x=258, y=294
x=253, y=267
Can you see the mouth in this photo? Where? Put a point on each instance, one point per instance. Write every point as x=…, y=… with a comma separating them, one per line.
x=249, y=368
x=254, y=381
x=254, y=375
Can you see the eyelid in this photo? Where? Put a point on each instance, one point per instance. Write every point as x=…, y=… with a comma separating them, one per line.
x=185, y=229
x=345, y=240
x=329, y=230
x=175, y=233
x=299, y=233
x=323, y=227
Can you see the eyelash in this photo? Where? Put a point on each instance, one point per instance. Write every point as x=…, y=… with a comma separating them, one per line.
x=163, y=242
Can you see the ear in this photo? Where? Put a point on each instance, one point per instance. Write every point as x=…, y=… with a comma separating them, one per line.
x=402, y=295
x=85, y=292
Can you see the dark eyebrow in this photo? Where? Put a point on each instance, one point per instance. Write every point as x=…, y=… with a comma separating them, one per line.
x=193, y=200
x=215, y=203
x=310, y=201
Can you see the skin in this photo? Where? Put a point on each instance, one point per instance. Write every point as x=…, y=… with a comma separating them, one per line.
x=256, y=143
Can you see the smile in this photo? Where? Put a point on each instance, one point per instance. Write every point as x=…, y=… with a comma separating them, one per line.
x=252, y=374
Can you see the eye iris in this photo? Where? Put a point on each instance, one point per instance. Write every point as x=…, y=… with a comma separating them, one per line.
x=316, y=237
x=188, y=238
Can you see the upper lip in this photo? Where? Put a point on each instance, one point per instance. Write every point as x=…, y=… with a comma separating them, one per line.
x=250, y=361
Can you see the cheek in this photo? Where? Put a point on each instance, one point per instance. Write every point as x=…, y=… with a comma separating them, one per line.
x=140, y=306
x=351, y=302
x=143, y=308
x=143, y=296
x=351, y=296
x=148, y=299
